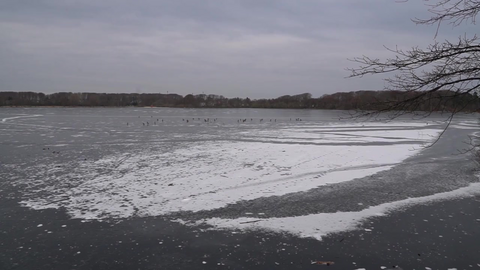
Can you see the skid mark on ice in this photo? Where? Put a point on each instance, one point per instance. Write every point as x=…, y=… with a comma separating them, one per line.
x=8, y=121
x=55, y=128
x=316, y=174
x=5, y=120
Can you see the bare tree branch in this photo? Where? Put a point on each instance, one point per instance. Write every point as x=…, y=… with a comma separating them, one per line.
x=444, y=76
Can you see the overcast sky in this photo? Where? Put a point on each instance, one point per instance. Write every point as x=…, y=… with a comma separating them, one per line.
x=254, y=48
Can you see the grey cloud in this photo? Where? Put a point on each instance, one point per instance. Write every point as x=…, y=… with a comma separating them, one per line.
x=234, y=48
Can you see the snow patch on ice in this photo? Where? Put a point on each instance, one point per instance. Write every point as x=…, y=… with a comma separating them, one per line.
x=204, y=175
x=318, y=225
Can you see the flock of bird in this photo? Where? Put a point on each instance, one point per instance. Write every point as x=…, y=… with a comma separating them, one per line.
x=206, y=120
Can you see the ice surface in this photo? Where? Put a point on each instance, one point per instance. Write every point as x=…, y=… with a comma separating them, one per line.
x=108, y=169
x=318, y=225
x=207, y=174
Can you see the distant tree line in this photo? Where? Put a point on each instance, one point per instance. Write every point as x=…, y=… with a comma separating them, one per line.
x=359, y=100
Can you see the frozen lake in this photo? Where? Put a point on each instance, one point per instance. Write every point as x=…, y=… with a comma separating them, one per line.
x=114, y=163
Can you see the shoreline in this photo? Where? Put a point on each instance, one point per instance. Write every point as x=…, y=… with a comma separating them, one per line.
x=356, y=111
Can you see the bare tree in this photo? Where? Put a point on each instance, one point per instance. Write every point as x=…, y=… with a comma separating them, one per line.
x=440, y=73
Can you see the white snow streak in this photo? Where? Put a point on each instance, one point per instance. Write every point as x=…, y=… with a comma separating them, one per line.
x=318, y=225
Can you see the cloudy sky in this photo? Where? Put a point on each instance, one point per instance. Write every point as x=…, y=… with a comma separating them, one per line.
x=254, y=48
